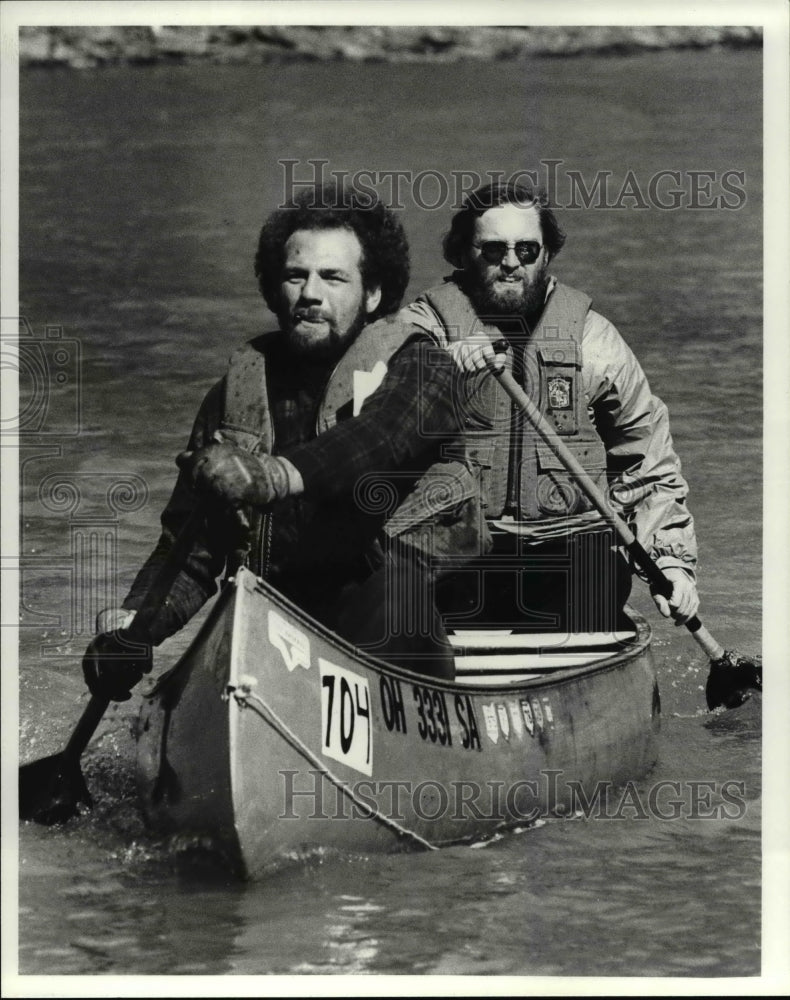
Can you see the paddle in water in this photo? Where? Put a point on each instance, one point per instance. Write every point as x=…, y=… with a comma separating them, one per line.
x=52, y=789
x=732, y=675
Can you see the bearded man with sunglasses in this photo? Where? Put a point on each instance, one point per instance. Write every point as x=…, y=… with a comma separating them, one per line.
x=545, y=555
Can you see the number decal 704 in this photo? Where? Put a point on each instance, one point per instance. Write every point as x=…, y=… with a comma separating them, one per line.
x=346, y=733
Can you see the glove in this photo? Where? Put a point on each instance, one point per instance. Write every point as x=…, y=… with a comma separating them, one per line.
x=683, y=602
x=475, y=353
x=236, y=477
x=111, y=619
x=113, y=663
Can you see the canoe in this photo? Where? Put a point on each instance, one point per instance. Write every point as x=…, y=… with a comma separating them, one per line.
x=272, y=740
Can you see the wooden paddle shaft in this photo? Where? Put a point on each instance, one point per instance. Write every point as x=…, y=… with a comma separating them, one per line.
x=85, y=728
x=655, y=577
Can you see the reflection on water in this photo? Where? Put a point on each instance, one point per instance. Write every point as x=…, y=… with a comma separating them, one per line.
x=142, y=192
x=575, y=897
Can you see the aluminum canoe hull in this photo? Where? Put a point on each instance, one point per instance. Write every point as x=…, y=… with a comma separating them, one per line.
x=272, y=740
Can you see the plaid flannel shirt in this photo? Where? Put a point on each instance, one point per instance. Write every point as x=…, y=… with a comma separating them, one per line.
x=397, y=435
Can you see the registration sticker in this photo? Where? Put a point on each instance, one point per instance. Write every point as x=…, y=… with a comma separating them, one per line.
x=515, y=718
x=492, y=726
x=294, y=646
x=526, y=711
x=346, y=733
x=504, y=721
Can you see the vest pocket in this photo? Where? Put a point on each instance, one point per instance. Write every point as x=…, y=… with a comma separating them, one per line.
x=557, y=492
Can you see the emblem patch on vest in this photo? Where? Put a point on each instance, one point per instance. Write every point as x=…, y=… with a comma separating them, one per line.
x=560, y=393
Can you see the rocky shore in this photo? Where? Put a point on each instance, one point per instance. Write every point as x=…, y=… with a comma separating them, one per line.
x=89, y=47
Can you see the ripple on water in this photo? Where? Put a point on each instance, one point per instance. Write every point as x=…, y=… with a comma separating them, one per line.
x=158, y=308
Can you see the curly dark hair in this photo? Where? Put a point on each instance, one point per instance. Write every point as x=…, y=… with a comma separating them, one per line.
x=457, y=240
x=385, y=249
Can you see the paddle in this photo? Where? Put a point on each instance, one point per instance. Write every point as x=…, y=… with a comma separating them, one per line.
x=52, y=789
x=731, y=674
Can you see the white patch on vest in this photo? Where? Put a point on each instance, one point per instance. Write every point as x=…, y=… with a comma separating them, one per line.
x=366, y=383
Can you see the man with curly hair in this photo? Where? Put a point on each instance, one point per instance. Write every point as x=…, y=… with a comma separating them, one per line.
x=304, y=452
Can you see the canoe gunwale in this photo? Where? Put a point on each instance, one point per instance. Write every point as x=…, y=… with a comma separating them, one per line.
x=557, y=676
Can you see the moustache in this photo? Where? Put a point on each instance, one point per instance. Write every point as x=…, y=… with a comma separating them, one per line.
x=311, y=315
x=518, y=275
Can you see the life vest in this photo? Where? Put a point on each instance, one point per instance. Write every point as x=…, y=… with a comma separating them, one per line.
x=520, y=475
x=247, y=413
x=440, y=512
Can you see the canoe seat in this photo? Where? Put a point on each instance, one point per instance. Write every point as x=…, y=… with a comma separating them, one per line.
x=508, y=656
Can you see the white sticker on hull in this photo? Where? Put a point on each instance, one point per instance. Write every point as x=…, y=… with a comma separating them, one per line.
x=526, y=711
x=504, y=721
x=492, y=726
x=294, y=646
x=515, y=718
x=346, y=733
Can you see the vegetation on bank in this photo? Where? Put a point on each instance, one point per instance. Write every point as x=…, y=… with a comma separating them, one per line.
x=88, y=47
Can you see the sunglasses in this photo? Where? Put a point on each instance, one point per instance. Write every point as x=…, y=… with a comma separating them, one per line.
x=494, y=251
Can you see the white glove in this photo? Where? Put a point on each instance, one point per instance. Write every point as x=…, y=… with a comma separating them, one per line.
x=683, y=603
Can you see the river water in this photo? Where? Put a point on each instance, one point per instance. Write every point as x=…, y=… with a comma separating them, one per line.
x=142, y=191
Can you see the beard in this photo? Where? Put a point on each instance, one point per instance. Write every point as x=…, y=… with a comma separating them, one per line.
x=322, y=343
x=493, y=298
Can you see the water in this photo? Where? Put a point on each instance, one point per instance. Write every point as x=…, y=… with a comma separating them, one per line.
x=142, y=191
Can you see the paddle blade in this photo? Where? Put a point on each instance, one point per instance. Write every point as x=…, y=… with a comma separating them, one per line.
x=52, y=789
x=732, y=678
